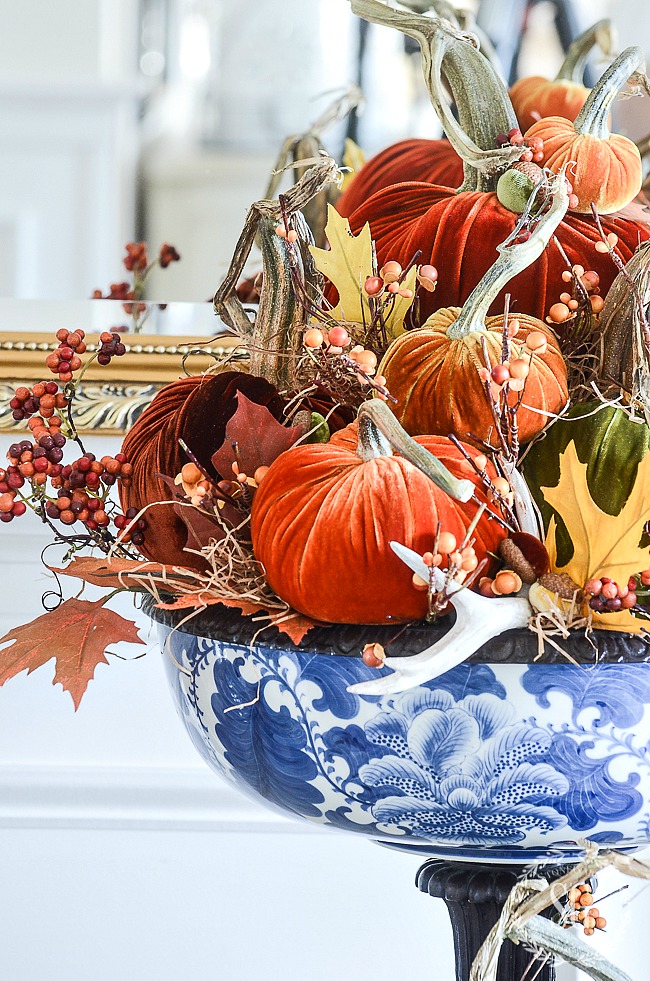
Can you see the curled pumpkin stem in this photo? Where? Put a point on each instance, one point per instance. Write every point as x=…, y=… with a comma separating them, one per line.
x=600, y=35
x=512, y=260
x=484, y=109
x=380, y=433
x=592, y=119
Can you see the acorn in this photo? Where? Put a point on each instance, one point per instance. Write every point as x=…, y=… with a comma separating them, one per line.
x=562, y=584
x=515, y=559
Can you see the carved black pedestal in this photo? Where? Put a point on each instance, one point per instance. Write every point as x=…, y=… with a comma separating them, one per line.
x=474, y=896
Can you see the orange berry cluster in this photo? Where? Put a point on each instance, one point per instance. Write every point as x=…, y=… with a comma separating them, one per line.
x=607, y=596
x=534, y=146
x=569, y=305
x=194, y=483
x=334, y=341
x=391, y=276
x=78, y=505
x=65, y=359
x=583, y=911
x=505, y=583
x=460, y=559
x=513, y=373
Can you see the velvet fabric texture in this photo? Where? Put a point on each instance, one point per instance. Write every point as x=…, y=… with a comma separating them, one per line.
x=605, y=172
x=458, y=233
x=535, y=97
x=197, y=410
x=322, y=521
x=438, y=388
x=433, y=161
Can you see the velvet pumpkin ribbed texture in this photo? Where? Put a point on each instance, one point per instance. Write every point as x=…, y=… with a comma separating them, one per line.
x=605, y=172
x=535, y=97
x=438, y=389
x=322, y=521
x=433, y=161
x=196, y=409
x=459, y=235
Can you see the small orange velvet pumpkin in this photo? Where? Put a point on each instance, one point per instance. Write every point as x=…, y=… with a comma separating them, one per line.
x=604, y=168
x=433, y=371
x=324, y=515
x=435, y=377
x=535, y=97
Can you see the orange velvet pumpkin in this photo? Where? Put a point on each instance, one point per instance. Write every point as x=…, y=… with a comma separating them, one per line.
x=605, y=169
x=535, y=97
x=433, y=161
x=323, y=517
x=438, y=389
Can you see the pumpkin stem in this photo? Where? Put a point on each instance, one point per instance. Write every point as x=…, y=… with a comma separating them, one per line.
x=484, y=109
x=592, y=119
x=601, y=35
x=380, y=433
x=274, y=339
x=512, y=260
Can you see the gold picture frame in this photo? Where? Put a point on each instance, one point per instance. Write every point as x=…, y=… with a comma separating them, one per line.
x=111, y=397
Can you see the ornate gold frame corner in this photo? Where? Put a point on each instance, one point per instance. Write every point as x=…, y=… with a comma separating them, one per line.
x=111, y=397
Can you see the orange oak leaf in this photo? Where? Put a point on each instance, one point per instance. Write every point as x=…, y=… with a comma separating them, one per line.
x=294, y=625
x=77, y=634
x=116, y=573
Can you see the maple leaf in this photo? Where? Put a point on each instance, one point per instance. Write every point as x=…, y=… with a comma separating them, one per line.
x=294, y=625
x=603, y=544
x=347, y=263
x=354, y=159
x=77, y=634
x=260, y=439
x=116, y=573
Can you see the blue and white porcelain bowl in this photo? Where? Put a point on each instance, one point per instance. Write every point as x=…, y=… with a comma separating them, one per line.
x=503, y=758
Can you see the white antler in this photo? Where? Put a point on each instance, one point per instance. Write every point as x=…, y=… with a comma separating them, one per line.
x=478, y=619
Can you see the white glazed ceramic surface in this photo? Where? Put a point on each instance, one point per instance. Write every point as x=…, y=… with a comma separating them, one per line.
x=504, y=762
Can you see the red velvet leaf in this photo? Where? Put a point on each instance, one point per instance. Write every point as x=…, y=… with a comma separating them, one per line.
x=77, y=634
x=259, y=437
x=201, y=526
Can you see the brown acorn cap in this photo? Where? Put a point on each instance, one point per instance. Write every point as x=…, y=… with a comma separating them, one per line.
x=530, y=169
x=517, y=561
x=560, y=583
x=533, y=550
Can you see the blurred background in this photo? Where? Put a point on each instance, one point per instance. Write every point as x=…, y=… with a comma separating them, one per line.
x=162, y=119
x=121, y=856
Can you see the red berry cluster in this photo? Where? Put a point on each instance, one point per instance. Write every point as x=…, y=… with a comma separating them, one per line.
x=110, y=346
x=167, y=255
x=130, y=530
x=44, y=397
x=10, y=508
x=65, y=359
x=125, y=292
x=534, y=146
x=606, y=596
x=136, y=256
x=89, y=473
x=78, y=505
x=36, y=461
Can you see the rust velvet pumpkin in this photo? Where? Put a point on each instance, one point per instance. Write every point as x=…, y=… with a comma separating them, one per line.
x=458, y=232
x=535, y=97
x=324, y=515
x=432, y=161
x=605, y=168
x=433, y=371
x=197, y=410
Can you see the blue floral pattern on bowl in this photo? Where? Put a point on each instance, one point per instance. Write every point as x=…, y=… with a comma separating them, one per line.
x=510, y=761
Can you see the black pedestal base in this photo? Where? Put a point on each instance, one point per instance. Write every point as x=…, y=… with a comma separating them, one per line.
x=474, y=895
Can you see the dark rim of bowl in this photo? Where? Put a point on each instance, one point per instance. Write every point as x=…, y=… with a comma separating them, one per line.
x=518, y=646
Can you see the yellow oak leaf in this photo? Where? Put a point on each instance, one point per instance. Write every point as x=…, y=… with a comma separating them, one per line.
x=603, y=544
x=347, y=263
x=354, y=159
